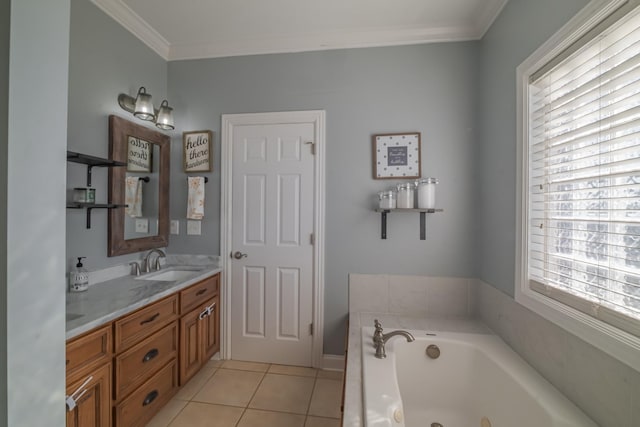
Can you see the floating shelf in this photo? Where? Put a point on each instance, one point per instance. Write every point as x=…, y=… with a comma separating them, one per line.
x=90, y=206
x=91, y=162
x=423, y=220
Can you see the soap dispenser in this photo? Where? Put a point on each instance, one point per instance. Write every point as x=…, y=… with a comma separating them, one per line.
x=78, y=278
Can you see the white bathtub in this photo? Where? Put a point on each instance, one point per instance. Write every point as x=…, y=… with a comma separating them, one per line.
x=477, y=381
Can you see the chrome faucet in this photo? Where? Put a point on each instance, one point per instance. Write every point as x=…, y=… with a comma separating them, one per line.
x=146, y=264
x=380, y=339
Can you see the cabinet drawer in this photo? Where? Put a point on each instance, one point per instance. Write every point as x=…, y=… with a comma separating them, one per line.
x=141, y=361
x=92, y=349
x=135, y=327
x=198, y=293
x=147, y=400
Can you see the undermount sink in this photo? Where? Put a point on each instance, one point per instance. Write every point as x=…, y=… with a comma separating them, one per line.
x=73, y=316
x=170, y=275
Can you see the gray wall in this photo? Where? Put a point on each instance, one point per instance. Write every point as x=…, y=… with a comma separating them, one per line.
x=520, y=29
x=5, y=11
x=37, y=139
x=104, y=61
x=425, y=88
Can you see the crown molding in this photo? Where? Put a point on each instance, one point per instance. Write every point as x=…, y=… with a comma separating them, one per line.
x=131, y=21
x=316, y=42
x=488, y=16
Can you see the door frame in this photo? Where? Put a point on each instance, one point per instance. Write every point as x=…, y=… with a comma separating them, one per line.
x=229, y=122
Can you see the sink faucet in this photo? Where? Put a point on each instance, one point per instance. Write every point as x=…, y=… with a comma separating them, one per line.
x=380, y=339
x=146, y=264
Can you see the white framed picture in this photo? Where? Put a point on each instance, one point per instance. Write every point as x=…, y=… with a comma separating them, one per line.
x=396, y=155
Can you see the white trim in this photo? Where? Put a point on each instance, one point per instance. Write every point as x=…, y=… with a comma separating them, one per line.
x=318, y=42
x=129, y=19
x=137, y=26
x=317, y=117
x=609, y=339
x=331, y=362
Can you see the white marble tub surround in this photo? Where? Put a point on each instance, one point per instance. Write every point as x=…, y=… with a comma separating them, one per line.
x=110, y=299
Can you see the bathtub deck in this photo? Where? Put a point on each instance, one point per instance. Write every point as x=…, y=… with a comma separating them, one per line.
x=353, y=416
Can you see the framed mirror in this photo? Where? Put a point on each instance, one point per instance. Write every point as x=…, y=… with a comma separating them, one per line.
x=143, y=186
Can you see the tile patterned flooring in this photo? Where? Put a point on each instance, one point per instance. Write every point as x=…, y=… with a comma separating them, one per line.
x=246, y=394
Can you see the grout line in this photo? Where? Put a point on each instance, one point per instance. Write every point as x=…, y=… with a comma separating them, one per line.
x=313, y=390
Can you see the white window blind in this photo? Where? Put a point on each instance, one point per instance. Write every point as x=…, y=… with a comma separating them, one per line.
x=584, y=177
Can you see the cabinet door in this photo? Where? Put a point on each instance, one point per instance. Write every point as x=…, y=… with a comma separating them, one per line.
x=190, y=345
x=94, y=407
x=211, y=331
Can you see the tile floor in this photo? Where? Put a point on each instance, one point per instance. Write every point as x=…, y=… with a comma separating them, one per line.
x=245, y=394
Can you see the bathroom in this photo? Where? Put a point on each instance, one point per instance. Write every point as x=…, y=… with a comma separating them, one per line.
x=461, y=96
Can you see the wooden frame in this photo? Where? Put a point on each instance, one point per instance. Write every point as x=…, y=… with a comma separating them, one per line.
x=197, y=151
x=119, y=130
x=397, y=155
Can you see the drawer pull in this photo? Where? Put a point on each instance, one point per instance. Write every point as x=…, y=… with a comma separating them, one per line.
x=150, y=398
x=201, y=291
x=150, y=355
x=150, y=319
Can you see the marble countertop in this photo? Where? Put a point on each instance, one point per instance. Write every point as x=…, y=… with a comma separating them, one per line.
x=352, y=416
x=108, y=300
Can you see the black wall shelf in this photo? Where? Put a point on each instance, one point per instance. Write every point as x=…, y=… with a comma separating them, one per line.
x=91, y=162
x=423, y=219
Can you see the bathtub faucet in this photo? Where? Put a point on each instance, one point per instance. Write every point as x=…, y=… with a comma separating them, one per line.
x=380, y=339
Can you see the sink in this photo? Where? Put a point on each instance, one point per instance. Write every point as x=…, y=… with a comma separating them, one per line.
x=73, y=316
x=170, y=275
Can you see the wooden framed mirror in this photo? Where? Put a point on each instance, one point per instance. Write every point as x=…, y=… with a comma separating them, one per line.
x=127, y=142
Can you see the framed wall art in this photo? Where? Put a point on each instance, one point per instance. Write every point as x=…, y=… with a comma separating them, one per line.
x=197, y=151
x=396, y=155
x=139, y=155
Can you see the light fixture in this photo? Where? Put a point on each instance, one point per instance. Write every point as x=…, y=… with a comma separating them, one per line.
x=142, y=108
x=164, y=119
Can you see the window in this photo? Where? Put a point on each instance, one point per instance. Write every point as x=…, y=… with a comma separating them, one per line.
x=580, y=224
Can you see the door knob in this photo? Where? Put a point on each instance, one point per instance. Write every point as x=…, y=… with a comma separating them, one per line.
x=239, y=255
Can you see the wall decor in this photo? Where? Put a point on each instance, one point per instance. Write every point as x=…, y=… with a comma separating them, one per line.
x=396, y=155
x=197, y=152
x=139, y=155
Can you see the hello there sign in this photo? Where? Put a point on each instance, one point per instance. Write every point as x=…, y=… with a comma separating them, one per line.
x=139, y=155
x=196, y=149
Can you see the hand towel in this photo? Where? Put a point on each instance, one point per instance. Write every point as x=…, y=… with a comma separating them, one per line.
x=133, y=196
x=195, y=198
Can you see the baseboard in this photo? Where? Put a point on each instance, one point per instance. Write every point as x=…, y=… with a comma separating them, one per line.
x=332, y=362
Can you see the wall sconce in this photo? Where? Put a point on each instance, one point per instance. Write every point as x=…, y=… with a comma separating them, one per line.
x=142, y=108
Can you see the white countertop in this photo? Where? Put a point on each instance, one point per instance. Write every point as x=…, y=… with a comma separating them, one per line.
x=106, y=301
x=353, y=416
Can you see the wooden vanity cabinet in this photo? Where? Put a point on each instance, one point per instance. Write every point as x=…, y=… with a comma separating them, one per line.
x=145, y=364
x=88, y=357
x=199, y=326
x=137, y=362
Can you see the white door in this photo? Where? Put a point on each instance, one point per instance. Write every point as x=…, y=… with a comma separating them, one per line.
x=272, y=222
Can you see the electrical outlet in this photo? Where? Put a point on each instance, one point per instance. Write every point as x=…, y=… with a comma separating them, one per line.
x=175, y=226
x=142, y=225
x=194, y=227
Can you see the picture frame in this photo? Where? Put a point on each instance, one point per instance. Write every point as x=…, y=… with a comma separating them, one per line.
x=139, y=154
x=197, y=151
x=397, y=155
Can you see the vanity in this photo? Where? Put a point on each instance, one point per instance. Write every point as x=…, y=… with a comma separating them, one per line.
x=133, y=341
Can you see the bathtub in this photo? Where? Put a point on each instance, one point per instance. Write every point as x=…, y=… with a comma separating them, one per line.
x=476, y=381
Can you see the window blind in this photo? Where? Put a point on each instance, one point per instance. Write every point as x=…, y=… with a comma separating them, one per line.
x=584, y=177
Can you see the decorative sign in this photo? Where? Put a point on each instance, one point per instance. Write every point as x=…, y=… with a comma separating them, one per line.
x=139, y=155
x=396, y=156
x=196, y=148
